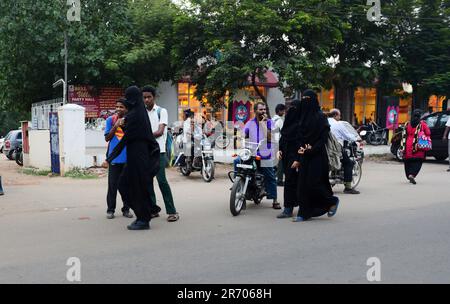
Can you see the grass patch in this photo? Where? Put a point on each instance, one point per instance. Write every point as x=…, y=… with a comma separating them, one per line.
x=36, y=172
x=80, y=174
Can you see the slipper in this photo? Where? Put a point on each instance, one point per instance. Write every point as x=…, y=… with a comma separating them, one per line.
x=333, y=209
x=298, y=219
x=276, y=206
x=173, y=217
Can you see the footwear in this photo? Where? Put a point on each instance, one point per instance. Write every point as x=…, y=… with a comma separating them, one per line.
x=351, y=191
x=127, y=214
x=298, y=219
x=276, y=206
x=154, y=215
x=280, y=184
x=110, y=215
x=139, y=225
x=173, y=217
x=333, y=209
x=287, y=212
x=412, y=180
x=448, y=170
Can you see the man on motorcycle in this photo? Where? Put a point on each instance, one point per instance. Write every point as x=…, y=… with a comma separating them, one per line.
x=342, y=134
x=258, y=130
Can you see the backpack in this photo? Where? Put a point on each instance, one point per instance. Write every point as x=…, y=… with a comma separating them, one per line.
x=334, y=152
x=169, y=141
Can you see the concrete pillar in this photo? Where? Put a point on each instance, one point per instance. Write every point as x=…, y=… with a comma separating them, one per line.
x=72, y=137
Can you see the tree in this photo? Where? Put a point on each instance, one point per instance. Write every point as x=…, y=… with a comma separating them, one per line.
x=31, y=56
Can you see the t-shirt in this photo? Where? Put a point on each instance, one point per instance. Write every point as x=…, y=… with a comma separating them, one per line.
x=155, y=121
x=448, y=125
x=122, y=158
x=254, y=132
x=340, y=131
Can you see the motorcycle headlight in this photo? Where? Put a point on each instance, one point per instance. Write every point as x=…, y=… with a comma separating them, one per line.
x=245, y=154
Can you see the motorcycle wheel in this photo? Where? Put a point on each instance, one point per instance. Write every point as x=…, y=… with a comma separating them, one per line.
x=208, y=171
x=184, y=170
x=372, y=140
x=237, y=198
x=357, y=173
x=222, y=142
x=19, y=158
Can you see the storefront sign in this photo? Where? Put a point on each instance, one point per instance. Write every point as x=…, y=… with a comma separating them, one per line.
x=241, y=111
x=99, y=103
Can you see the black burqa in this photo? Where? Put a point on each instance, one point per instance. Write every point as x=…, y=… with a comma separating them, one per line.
x=289, y=144
x=314, y=189
x=142, y=156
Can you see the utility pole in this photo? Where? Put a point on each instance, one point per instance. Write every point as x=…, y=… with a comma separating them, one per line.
x=65, y=68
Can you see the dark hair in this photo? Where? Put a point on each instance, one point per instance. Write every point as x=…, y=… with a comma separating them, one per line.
x=121, y=100
x=149, y=89
x=255, y=106
x=280, y=107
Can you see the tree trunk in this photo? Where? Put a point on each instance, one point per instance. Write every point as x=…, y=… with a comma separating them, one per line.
x=260, y=94
x=344, y=101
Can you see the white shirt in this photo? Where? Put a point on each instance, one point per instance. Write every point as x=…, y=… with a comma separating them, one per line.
x=279, y=121
x=340, y=131
x=448, y=125
x=155, y=121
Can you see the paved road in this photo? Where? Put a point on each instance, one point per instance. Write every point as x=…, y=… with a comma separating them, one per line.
x=44, y=221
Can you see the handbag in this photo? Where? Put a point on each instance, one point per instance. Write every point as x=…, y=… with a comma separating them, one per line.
x=423, y=141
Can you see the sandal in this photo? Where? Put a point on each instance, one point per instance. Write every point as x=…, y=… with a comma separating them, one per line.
x=276, y=206
x=173, y=217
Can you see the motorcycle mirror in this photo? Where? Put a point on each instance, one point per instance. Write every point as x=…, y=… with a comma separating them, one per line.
x=363, y=133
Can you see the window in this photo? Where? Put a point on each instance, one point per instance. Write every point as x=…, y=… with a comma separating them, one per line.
x=19, y=135
x=326, y=99
x=431, y=121
x=365, y=105
x=443, y=120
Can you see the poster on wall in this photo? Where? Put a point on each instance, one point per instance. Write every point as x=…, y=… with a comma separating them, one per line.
x=241, y=112
x=99, y=103
x=392, y=117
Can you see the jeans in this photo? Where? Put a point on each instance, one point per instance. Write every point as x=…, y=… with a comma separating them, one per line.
x=164, y=186
x=114, y=172
x=348, y=164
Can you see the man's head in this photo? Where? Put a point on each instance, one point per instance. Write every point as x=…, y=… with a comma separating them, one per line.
x=121, y=109
x=280, y=109
x=149, y=94
x=188, y=113
x=260, y=109
x=430, y=110
x=336, y=114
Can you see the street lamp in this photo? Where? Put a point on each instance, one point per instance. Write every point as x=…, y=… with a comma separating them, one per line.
x=59, y=82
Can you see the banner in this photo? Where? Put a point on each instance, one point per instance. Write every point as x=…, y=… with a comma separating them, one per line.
x=241, y=111
x=99, y=103
x=392, y=117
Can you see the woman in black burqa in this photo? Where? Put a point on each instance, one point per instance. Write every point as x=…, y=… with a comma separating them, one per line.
x=289, y=144
x=142, y=159
x=314, y=189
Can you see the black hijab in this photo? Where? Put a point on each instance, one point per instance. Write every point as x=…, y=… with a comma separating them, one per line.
x=290, y=130
x=312, y=120
x=415, y=119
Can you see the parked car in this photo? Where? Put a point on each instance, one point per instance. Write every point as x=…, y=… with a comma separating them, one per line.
x=436, y=122
x=12, y=141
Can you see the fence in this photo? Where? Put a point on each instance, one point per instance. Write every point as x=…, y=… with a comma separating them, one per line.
x=40, y=112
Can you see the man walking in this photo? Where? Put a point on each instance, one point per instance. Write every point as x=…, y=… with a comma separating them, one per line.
x=113, y=135
x=278, y=120
x=342, y=135
x=159, y=121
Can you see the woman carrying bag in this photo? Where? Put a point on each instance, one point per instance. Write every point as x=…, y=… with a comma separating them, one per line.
x=415, y=142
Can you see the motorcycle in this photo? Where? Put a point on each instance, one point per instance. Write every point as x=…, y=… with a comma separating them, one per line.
x=355, y=152
x=18, y=155
x=248, y=183
x=202, y=159
x=375, y=135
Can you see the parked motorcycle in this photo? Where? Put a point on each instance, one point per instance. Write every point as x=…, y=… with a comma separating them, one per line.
x=356, y=154
x=248, y=183
x=202, y=159
x=375, y=135
x=18, y=155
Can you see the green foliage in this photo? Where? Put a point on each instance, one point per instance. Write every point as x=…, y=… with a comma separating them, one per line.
x=36, y=172
x=11, y=121
x=78, y=173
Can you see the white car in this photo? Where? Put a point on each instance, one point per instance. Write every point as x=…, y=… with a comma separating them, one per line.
x=2, y=141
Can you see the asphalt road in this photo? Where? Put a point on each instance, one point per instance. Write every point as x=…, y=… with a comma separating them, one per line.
x=44, y=221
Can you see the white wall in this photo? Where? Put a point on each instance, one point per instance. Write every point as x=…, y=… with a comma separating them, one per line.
x=274, y=97
x=39, y=156
x=168, y=99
